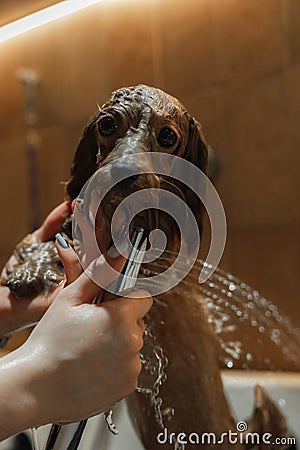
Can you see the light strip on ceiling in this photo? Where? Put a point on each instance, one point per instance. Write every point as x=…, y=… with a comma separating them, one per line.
x=43, y=17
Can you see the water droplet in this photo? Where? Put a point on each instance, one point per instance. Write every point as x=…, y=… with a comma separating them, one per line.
x=209, y=266
x=168, y=412
x=275, y=333
x=249, y=357
x=272, y=308
x=232, y=305
x=282, y=402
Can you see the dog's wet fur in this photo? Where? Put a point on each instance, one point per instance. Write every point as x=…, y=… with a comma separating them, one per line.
x=137, y=120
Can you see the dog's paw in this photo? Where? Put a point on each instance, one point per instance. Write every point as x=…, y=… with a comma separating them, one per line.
x=23, y=283
x=36, y=270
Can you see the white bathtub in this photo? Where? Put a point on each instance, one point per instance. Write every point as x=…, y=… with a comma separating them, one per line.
x=283, y=388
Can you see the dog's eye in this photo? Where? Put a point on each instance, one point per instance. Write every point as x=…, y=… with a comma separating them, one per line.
x=167, y=137
x=107, y=125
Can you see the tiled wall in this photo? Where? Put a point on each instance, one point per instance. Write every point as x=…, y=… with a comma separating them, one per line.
x=236, y=66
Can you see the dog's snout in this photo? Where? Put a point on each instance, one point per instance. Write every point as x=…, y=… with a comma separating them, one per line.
x=122, y=171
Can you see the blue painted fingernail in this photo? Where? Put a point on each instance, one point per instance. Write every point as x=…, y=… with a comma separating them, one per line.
x=61, y=240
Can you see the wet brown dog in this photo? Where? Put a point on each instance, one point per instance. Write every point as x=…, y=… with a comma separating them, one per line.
x=138, y=120
x=183, y=389
x=133, y=122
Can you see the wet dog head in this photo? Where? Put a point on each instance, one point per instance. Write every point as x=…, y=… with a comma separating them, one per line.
x=135, y=121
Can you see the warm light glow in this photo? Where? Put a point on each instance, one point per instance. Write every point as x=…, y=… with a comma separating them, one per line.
x=43, y=17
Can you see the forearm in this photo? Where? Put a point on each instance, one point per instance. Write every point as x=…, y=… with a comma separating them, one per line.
x=18, y=406
x=15, y=314
x=8, y=312
x=18, y=313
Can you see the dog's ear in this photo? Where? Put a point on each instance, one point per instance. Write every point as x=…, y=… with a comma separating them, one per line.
x=196, y=148
x=85, y=160
x=196, y=153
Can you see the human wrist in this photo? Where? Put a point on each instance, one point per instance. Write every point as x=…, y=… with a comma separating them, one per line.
x=8, y=321
x=14, y=314
x=19, y=405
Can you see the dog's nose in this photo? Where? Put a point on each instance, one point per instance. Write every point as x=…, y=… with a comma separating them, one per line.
x=125, y=172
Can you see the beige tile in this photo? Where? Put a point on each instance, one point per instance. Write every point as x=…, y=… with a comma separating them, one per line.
x=55, y=149
x=293, y=12
x=16, y=9
x=128, y=44
x=68, y=56
x=13, y=191
x=188, y=45
x=257, y=164
x=292, y=98
x=268, y=259
x=249, y=38
x=56, y=154
x=11, y=93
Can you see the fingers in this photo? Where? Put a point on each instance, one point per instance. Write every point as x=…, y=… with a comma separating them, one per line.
x=69, y=259
x=87, y=231
x=52, y=223
x=134, y=307
x=141, y=324
x=140, y=302
x=126, y=314
x=100, y=274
